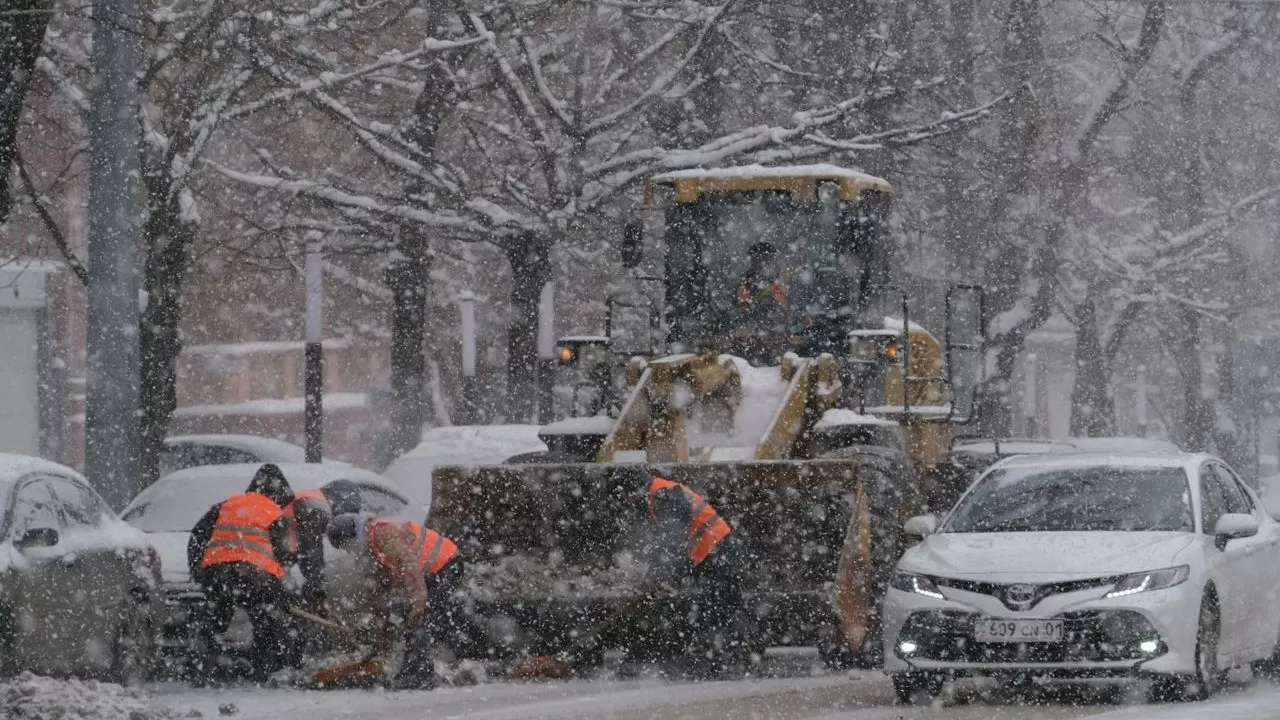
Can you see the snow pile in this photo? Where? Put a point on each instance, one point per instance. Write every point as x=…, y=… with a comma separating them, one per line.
x=762, y=393
x=32, y=697
x=836, y=417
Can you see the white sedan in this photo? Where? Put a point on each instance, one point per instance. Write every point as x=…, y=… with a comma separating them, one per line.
x=1159, y=566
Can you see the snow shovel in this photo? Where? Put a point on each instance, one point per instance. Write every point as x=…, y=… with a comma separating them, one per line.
x=358, y=673
x=560, y=665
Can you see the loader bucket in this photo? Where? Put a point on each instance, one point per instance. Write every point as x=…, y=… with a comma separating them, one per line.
x=547, y=545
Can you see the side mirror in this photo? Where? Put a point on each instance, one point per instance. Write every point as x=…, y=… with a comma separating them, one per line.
x=632, y=249
x=1232, y=526
x=921, y=526
x=37, y=537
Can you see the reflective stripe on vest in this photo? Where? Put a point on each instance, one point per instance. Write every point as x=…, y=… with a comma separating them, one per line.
x=242, y=534
x=706, y=527
x=290, y=513
x=433, y=550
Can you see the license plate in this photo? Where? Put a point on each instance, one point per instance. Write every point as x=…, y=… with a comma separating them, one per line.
x=992, y=630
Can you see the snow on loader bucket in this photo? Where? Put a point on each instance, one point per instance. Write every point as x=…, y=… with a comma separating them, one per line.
x=552, y=548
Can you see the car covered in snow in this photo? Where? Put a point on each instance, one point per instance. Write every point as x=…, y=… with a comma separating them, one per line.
x=460, y=445
x=1160, y=566
x=187, y=451
x=79, y=588
x=167, y=510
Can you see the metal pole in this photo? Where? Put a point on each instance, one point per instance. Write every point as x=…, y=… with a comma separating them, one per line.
x=112, y=369
x=546, y=350
x=1141, y=400
x=467, y=315
x=314, y=373
x=1030, y=393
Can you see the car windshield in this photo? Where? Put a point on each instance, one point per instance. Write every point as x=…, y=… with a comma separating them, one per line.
x=178, y=506
x=1097, y=498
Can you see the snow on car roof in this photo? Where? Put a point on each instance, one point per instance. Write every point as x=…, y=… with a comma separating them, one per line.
x=175, y=502
x=1090, y=459
x=1031, y=446
x=460, y=445
x=264, y=446
x=14, y=466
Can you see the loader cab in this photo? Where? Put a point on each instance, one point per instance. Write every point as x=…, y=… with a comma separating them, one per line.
x=826, y=228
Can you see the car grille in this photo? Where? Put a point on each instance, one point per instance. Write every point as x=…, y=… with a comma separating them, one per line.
x=1090, y=636
x=1028, y=595
x=180, y=603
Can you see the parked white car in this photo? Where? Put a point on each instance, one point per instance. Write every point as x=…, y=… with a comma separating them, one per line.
x=1161, y=566
x=188, y=451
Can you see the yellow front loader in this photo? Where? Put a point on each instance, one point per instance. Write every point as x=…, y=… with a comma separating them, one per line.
x=812, y=455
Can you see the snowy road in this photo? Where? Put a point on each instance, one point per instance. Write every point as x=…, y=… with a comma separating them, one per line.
x=858, y=696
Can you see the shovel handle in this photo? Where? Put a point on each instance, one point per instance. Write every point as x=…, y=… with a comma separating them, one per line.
x=321, y=621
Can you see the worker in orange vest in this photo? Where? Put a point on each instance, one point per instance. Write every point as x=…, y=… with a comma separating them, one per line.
x=692, y=549
x=237, y=553
x=308, y=517
x=428, y=567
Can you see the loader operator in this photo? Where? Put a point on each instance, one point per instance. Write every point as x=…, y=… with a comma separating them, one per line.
x=763, y=307
x=237, y=553
x=428, y=567
x=692, y=549
x=308, y=518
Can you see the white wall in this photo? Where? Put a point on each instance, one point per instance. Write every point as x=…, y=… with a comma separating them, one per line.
x=19, y=382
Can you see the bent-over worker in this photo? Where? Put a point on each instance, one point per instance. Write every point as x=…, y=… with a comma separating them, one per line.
x=428, y=568
x=237, y=553
x=692, y=547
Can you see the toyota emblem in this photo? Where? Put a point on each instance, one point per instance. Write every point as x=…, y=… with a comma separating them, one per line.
x=1020, y=595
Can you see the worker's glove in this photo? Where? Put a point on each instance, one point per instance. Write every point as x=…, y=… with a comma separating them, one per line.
x=313, y=597
x=416, y=612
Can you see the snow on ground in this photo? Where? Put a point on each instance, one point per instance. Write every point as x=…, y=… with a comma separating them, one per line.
x=859, y=695
x=32, y=697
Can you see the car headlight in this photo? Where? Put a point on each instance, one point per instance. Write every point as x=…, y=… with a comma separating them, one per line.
x=917, y=584
x=1150, y=580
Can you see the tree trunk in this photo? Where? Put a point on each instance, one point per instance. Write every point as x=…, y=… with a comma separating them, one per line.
x=529, y=255
x=1006, y=267
x=169, y=242
x=408, y=277
x=1184, y=345
x=1092, y=408
x=22, y=26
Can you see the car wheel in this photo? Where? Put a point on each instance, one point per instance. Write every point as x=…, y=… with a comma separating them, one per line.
x=1207, y=677
x=134, y=646
x=914, y=688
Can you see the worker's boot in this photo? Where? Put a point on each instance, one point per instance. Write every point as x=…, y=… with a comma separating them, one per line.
x=418, y=669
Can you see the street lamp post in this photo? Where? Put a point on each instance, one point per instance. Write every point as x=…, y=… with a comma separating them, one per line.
x=313, y=375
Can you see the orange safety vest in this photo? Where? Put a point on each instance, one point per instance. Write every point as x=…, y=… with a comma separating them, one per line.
x=434, y=550
x=290, y=513
x=242, y=534
x=748, y=290
x=706, y=529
